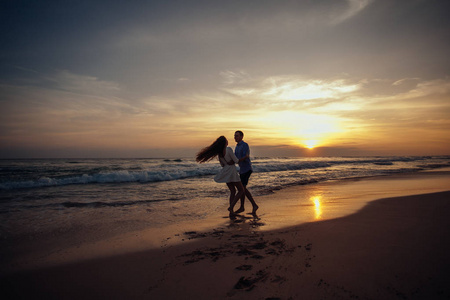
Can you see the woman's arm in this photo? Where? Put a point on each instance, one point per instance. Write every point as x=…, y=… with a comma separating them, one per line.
x=231, y=154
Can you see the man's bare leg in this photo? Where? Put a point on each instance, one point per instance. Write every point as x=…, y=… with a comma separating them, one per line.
x=252, y=201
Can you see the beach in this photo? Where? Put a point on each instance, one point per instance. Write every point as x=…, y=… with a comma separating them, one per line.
x=127, y=128
x=382, y=237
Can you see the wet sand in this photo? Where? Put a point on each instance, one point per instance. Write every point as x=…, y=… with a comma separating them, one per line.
x=393, y=248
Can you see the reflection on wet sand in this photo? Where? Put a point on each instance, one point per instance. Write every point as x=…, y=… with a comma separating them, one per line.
x=317, y=206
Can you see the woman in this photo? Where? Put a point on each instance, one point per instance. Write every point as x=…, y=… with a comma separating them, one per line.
x=228, y=174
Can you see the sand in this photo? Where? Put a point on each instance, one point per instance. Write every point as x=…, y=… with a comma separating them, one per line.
x=392, y=248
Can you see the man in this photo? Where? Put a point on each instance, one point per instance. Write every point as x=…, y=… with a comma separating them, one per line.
x=242, y=152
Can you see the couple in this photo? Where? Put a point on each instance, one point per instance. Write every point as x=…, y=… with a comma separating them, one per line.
x=228, y=174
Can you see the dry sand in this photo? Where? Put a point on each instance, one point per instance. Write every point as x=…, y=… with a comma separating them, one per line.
x=393, y=248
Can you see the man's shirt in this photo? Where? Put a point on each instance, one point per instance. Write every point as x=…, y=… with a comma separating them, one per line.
x=241, y=150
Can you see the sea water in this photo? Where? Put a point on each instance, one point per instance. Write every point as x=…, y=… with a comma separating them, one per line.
x=92, y=198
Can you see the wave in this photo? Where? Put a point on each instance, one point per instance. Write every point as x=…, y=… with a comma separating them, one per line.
x=124, y=176
x=170, y=170
x=94, y=204
x=121, y=176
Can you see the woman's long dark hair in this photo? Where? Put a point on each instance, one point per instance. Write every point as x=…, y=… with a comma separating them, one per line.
x=216, y=148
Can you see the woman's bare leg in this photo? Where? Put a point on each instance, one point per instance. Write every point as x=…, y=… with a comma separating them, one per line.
x=240, y=192
x=232, y=191
x=232, y=188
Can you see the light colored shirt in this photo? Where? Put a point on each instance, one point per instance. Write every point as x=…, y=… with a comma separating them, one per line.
x=228, y=172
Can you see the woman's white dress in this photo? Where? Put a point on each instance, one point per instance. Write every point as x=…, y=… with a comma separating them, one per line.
x=228, y=172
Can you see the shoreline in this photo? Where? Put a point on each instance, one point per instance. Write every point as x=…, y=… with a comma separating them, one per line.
x=389, y=248
x=283, y=208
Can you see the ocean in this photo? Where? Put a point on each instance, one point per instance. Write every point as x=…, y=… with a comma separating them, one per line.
x=41, y=198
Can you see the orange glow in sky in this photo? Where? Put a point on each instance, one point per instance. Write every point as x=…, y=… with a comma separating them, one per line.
x=298, y=79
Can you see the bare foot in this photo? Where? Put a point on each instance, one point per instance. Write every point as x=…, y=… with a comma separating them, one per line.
x=255, y=208
x=232, y=215
x=241, y=209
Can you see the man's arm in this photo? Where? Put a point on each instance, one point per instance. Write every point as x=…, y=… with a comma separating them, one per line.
x=247, y=153
x=243, y=158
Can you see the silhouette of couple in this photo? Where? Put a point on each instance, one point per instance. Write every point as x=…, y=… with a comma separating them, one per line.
x=228, y=174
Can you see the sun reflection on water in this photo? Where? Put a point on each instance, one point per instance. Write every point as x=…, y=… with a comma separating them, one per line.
x=317, y=206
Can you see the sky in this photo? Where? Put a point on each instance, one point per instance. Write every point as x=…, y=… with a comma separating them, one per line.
x=166, y=78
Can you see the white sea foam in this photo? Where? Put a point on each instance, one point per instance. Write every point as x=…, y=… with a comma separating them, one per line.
x=42, y=173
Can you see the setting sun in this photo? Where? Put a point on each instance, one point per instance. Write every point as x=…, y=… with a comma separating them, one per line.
x=311, y=144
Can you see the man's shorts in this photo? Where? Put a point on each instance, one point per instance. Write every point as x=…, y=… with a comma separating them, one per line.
x=245, y=176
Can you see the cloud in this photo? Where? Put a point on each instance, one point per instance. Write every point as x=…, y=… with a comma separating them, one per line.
x=353, y=8
x=237, y=28
x=417, y=116
x=61, y=103
x=235, y=77
x=75, y=83
x=76, y=110
x=404, y=81
x=286, y=89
